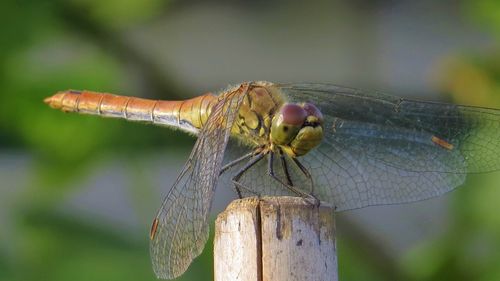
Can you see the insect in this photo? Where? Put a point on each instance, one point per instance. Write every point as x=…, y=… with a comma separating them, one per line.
x=343, y=146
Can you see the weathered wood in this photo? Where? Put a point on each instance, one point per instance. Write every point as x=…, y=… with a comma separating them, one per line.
x=237, y=242
x=275, y=238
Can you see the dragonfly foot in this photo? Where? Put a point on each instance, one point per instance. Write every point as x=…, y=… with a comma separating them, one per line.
x=312, y=200
x=240, y=187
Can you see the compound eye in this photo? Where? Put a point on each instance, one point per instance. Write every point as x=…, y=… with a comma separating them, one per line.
x=287, y=123
x=293, y=114
x=312, y=110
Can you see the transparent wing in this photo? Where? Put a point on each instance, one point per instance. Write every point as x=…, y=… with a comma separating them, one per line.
x=348, y=180
x=380, y=149
x=180, y=229
x=397, y=130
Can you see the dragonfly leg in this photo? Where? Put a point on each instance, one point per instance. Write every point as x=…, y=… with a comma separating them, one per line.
x=235, y=162
x=308, y=197
x=305, y=172
x=285, y=168
x=238, y=186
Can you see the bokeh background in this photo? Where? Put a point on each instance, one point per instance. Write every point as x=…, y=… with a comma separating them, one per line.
x=78, y=193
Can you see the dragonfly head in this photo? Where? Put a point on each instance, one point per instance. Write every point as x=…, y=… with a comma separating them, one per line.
x=297, y=128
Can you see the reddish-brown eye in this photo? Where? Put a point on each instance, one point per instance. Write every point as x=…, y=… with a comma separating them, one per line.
x=311, y=109
x=293, y=114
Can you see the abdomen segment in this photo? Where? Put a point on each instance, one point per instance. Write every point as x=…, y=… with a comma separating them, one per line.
x=189, y=115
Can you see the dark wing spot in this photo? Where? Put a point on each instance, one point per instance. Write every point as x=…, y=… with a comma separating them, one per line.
x=442, y=143
x=154, y=228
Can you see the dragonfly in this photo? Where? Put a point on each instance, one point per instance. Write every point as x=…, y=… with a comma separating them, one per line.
x=341, y=146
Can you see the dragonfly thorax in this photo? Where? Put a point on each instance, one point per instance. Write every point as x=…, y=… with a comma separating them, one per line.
x=297, y=128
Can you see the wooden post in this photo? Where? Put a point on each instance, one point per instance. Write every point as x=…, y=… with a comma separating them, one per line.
x=275, y=239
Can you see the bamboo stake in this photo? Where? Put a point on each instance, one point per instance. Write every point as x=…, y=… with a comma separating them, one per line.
x=275, y=239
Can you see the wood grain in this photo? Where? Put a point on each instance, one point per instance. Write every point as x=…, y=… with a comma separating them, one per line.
x=275, y=238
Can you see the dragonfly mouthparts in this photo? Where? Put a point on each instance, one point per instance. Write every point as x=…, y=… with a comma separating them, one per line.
x=311, y=121
x=311, y=124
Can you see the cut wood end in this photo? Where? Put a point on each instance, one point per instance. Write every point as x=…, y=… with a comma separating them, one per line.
x=275, y=238
x=249, y=205
x=291, y=201
x=291, y=207
x=248, y=202
x=282, y=200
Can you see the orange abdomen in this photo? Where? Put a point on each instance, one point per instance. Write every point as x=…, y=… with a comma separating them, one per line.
x=189, y=115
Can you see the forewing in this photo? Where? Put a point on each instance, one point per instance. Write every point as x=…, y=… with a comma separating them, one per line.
x=380, y=149
x=180, y=229
x=385, y=126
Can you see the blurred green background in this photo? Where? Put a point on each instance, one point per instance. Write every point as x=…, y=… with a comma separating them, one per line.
x=77, y=193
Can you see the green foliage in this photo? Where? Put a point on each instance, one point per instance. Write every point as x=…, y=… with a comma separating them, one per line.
x=117, y=13
x=353, y=264
x=40, y=53
x=485, y=12
x=56, y=247
x=469, y=248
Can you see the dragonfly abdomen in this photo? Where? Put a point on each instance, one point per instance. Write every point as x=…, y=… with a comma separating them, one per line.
x=189, y=115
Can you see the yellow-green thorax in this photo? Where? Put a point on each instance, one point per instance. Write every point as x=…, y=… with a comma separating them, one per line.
x=266, y=119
